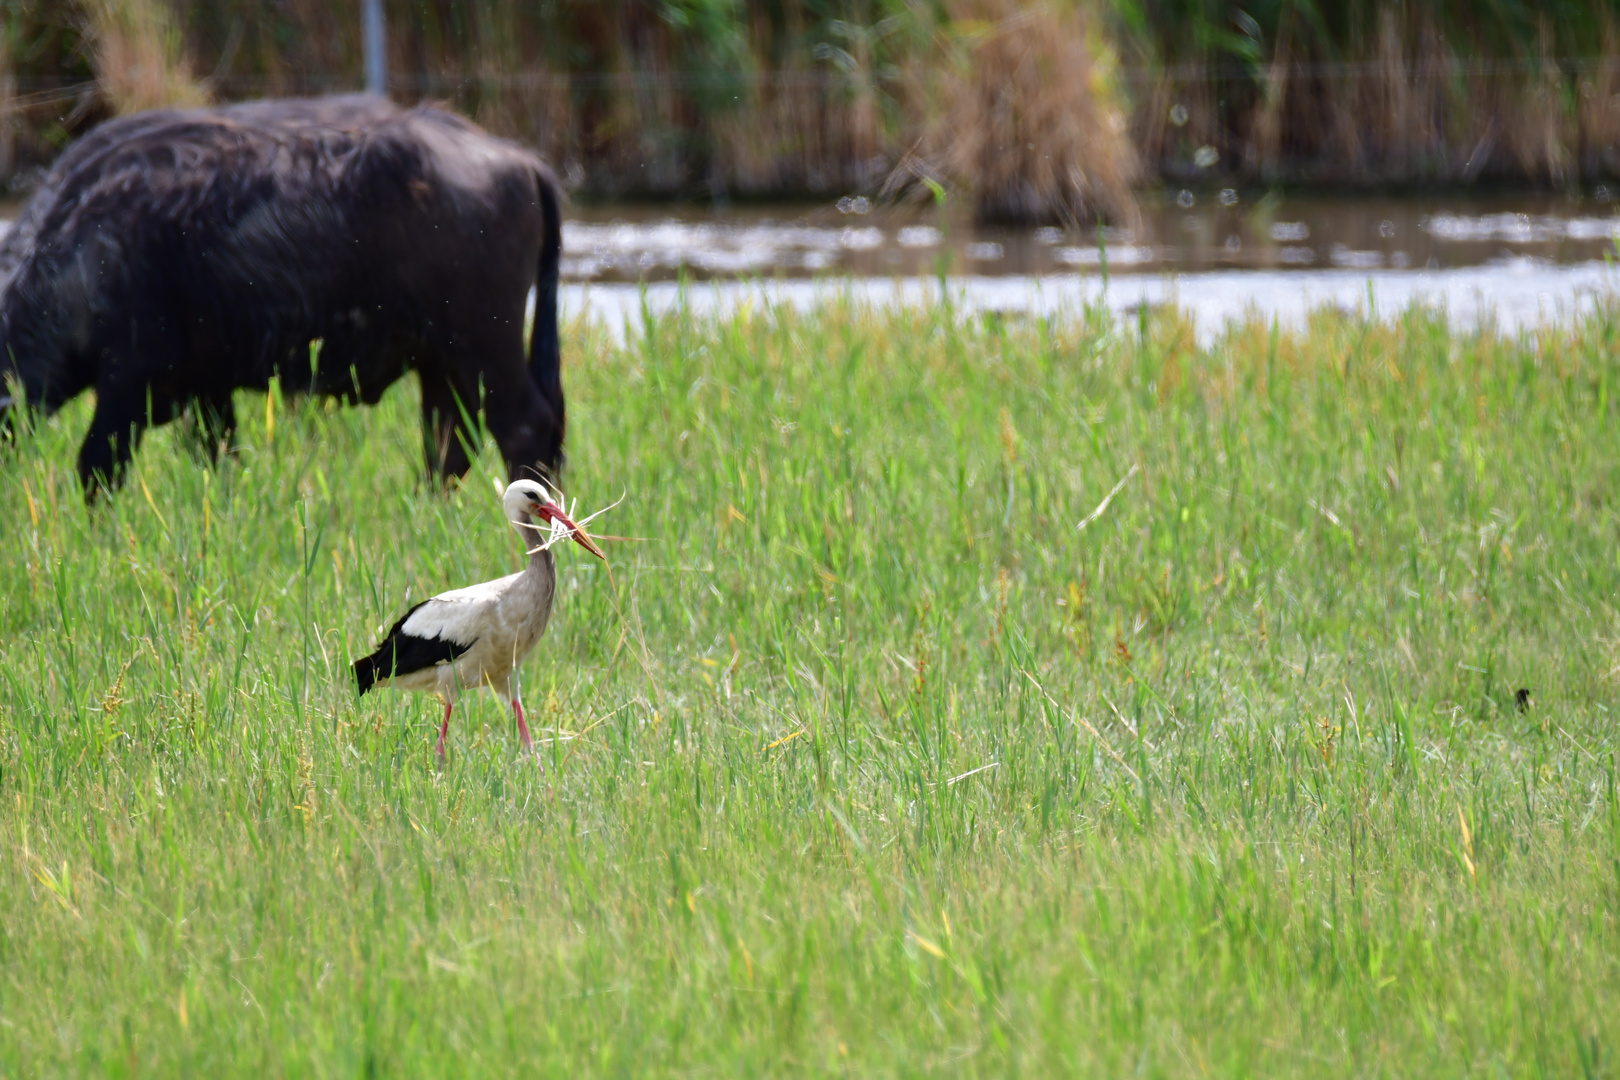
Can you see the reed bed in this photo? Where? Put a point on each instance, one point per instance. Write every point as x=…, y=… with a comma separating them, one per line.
x=1056, y=110
x=139, y=55
x=1011, y=102
x=1298, y=758
x=1384, y=93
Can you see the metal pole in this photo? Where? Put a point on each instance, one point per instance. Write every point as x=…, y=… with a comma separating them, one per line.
x=375, y=47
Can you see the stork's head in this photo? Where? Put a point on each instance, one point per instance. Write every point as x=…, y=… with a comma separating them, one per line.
x=533, y=499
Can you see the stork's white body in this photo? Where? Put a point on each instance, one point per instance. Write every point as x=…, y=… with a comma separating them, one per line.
x=497, y=621
x=477, y=636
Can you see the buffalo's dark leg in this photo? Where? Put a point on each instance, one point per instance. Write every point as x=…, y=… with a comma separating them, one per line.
x=529, y=436
x=445, y=433
x=487, y=367
x=115, y=430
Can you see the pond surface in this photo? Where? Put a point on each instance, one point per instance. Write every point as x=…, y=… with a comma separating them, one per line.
x=1513, y=296
x=1510, y=261
x=1178, y=231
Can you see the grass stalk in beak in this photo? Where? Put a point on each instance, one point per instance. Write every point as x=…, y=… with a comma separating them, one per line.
x=581, y=537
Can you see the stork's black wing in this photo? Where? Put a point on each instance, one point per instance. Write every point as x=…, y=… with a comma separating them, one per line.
x=401, y=653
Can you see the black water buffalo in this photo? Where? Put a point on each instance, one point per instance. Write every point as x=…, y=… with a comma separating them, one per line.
x=172, y=257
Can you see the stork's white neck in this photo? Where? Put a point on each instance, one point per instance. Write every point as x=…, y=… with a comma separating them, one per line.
x=532, y=537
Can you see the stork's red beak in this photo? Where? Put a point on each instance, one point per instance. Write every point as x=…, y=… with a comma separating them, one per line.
x=552, y=512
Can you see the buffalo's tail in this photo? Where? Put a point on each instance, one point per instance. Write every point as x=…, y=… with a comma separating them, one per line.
x=545, y=351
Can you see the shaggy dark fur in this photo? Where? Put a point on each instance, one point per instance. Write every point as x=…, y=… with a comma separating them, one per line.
x=173, y=257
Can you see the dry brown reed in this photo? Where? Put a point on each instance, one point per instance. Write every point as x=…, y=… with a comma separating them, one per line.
x=1412, y=102
x=1017, y=109
x=138, y=55
x=1032, y=122
x=8, y=95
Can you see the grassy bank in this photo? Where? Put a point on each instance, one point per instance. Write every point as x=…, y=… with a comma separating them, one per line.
x=867, y=760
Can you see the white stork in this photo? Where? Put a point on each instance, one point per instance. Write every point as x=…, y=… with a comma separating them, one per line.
x=477, y=636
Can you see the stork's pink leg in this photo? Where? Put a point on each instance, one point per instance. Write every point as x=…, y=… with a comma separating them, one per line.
x=444, y=730
x=523, y=729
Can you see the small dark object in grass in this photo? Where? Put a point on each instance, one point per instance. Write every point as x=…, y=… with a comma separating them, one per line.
x=1521, y=698
x=172, y=257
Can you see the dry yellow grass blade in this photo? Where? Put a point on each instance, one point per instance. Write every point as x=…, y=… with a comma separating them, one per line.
x=138, y=56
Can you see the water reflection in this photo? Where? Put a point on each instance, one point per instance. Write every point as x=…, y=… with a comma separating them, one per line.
x=1510, y=296
x=1178, y=231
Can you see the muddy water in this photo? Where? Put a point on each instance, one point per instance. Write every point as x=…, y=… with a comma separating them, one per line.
x=1513, y=296
x=1510, y=261
x=1180, y=232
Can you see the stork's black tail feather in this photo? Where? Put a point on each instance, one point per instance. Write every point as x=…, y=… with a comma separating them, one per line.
x=365, y=672
x=400, y=653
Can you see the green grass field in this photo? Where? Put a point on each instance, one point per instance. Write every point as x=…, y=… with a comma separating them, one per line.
x=866, y=760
